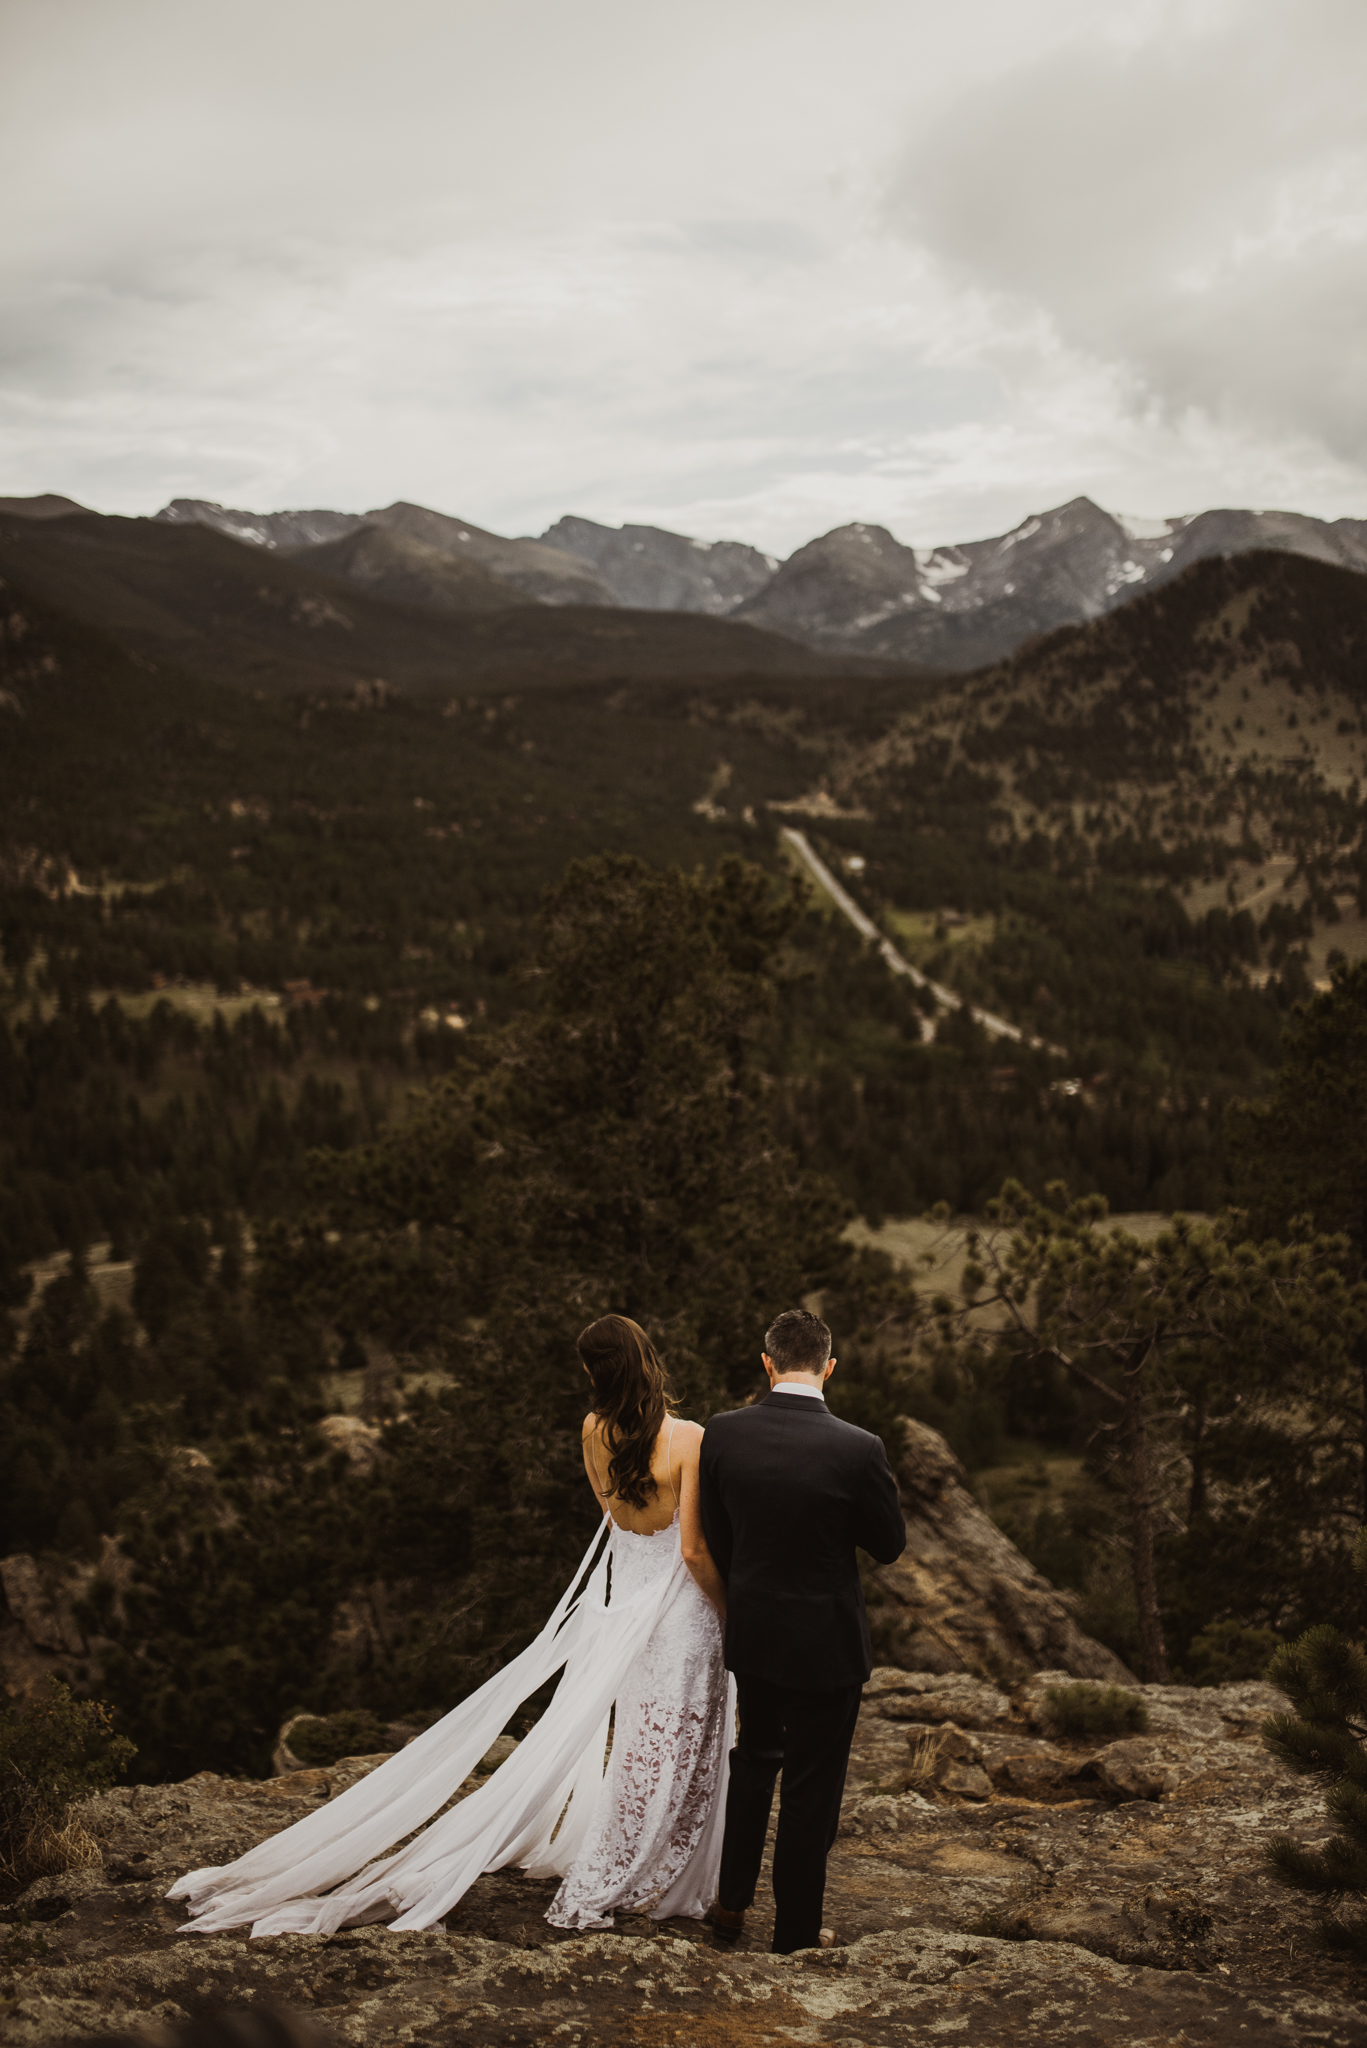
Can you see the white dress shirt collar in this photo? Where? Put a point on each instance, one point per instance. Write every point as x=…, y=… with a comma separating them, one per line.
x=803, y=1387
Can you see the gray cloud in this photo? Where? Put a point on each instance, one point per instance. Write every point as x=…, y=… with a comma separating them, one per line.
x=1194, y=208
x=524, y=258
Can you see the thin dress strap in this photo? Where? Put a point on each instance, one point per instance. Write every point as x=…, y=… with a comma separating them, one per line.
x=669, y=1460
x=598, y=1470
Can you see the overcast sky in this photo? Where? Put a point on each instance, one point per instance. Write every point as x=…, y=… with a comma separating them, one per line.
x=744, y=268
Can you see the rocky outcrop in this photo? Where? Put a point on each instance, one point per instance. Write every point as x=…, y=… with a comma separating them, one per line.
x=961, y=1598
x=40, y=1636
x=374, y=1987
x=359, y=1440
x=1071, y=1913
x=40, y=1602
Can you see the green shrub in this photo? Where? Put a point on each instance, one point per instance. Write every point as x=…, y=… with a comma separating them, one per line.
x=1227, y=1652
x=1086, y=1709
x=326, y=1738
x=54, y=1751
x=1324, y=1736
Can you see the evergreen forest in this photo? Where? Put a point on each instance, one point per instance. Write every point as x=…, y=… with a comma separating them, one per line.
x=358, y=1045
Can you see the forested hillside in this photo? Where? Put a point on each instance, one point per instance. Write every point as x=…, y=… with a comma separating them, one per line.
x=243, y=924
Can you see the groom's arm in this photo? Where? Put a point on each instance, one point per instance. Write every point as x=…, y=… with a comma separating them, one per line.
x=716, y=1523
x=881, y=1525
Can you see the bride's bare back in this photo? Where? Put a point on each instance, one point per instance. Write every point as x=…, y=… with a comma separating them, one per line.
x=674, y=1452
x=674, y=1469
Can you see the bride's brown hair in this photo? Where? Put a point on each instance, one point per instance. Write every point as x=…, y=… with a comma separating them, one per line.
x=631, y=1397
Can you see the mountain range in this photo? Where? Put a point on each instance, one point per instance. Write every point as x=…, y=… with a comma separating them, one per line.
x=959, y=607
x=543, y=572
x=854, y=591
x=374, y=606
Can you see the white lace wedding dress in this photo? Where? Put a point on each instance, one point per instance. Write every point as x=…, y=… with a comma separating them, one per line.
x=631, y=1631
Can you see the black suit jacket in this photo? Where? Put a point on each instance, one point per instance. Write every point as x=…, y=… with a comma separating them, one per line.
x=788, y=1492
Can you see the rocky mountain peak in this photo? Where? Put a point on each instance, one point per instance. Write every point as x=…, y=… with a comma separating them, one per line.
x=396, y=565
x=964, y=605
x=656, y=570
x=843, y=584
x=261, y=529
x=544, y=573
x=47, y=505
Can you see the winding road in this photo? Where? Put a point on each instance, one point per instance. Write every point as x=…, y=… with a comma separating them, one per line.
x=996, y=1027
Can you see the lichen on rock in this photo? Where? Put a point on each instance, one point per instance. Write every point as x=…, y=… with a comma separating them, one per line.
x=1056, y=1915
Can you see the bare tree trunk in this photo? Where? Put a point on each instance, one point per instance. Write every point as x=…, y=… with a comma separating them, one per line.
x=1153, y=1648
x=1196, y=1499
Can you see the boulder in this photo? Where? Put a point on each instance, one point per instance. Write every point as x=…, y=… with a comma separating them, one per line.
x=952, y=1744
x=961, y=1599
x=1167, y=1926
x=1040, y=1774
x=358, y=1440
x=1133, y=1769
x=39, y=1602
x=964, y=1781
x=398, y=1734
x=284, y=1762
x=884, y=1813
x=40, y=1637
x=919, y=1696
x=953, y=1763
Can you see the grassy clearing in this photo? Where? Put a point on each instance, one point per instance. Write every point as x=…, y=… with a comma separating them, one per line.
x=922, y=934
x=936, y=1253
x=1025, y=1479
x=199, y=999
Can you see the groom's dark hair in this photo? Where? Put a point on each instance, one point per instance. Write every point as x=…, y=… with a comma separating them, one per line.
x=798, y=1341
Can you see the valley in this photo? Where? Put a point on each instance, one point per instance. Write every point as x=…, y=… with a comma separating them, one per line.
x=314, y=898
x=683, y=704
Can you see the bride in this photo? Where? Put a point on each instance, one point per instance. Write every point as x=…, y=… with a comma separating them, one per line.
x=637, y=1639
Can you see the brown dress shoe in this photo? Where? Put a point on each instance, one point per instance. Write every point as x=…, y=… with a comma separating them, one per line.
x=724, y=1922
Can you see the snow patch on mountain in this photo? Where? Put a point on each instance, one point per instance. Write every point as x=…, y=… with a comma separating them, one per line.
x=1145, y=529
x=940, y=565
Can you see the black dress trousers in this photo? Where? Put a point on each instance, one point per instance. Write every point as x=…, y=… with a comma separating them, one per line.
x=807, y=1736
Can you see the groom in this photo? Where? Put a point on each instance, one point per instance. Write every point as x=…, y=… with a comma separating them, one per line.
x=788, y=1493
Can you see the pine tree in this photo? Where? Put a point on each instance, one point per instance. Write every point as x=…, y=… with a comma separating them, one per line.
x=610, y=1148
x=1324, y=1676
x=1299, y=1160
x=1150, y=1333
x=1303, y=1152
